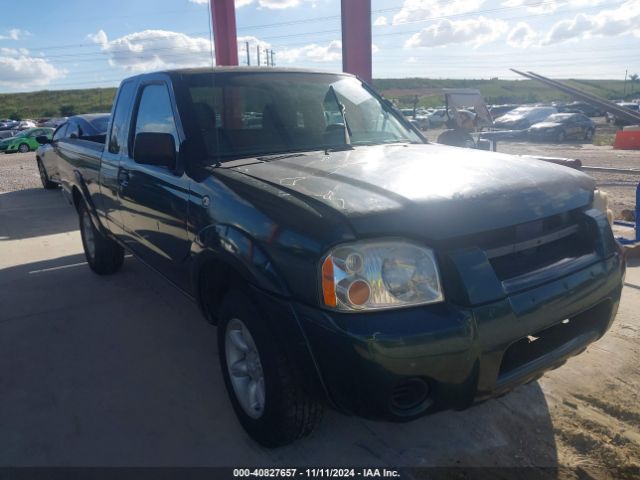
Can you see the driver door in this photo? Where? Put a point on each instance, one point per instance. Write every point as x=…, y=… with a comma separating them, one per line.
x=154, y=199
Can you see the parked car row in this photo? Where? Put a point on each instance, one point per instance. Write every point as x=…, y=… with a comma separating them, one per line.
x=25, y=140
x=611, y=118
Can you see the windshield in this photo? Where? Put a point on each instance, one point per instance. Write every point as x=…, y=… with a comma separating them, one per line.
x=25, y=133
x=252, y=114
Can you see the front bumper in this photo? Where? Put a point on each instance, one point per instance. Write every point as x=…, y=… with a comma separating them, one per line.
x=460, y=354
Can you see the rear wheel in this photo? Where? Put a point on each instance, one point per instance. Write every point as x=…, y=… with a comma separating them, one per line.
x=103, y=254
x=270, y=404
x=44, y=178
x=23, y=148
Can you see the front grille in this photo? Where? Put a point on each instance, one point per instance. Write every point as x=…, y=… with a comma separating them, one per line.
x=522, y=249
x=540, y=252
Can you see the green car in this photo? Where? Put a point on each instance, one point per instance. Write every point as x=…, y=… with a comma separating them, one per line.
x=25, y=141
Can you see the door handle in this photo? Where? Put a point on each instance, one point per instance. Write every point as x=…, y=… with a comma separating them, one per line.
x=123, y=179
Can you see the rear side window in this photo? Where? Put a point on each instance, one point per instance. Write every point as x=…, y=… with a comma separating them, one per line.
x=155, y=114
x=118, y=127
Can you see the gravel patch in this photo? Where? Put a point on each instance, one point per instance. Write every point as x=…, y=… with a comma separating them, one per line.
x=18, y=171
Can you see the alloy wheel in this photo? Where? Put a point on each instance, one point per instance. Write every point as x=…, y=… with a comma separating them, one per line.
x=245, y=368
x=87, y=233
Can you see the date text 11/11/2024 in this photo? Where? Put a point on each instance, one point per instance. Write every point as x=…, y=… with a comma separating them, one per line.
x=316, y=472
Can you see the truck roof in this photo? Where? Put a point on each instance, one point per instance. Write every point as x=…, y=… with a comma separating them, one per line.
x=244, y=69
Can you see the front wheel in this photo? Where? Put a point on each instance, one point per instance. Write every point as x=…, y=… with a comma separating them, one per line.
x=44, y=178
x=103, y=254
x=23, y=148
x=269, y=402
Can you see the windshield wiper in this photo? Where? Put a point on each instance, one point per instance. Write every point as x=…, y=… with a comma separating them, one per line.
x=341, y=107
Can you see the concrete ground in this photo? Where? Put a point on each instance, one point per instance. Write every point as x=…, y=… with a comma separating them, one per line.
x=122, y=370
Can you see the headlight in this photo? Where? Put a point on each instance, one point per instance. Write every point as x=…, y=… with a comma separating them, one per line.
x=372, y=275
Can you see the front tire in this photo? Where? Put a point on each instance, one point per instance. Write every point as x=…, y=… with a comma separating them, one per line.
x=103, y=254
x=44, y=178
x=269, y=403
x=23, y=148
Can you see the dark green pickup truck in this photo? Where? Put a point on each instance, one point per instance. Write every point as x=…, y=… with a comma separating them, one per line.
x=344, y=260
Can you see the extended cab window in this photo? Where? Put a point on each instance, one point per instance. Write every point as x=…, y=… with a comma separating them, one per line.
x=155, y=114
x=119, y=125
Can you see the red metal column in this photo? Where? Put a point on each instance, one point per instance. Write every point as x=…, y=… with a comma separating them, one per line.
x=356, y=38
x=223, y=19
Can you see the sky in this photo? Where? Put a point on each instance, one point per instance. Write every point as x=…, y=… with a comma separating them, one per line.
x=91, y=43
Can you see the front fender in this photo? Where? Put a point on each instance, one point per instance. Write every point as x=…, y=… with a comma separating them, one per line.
x=234, y=247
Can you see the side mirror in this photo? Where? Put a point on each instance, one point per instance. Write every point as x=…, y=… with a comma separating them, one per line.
x=43, y=139
x=157, y=149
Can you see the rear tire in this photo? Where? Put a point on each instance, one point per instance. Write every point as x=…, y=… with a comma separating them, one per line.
x=23, y=148
x=44, y=177
x=103, y=254
x=281, y=411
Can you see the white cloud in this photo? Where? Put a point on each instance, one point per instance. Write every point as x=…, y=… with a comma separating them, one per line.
x=332, y=52
x=15, y=34
x=548, y=6
x=279, y=4
x=154, y=49
x=159, y=49
x=522, y=36
x=608, y=23
x=314, y=52
x=417, y=10
x=534, y=6
x=475, y=31
x=381, y=21
x=19, y=70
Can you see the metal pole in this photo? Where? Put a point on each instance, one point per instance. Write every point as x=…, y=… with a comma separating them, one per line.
x=266, y=54
x=223, y=18
x=624, y=89
x=273, y=64
x=356, y=38
x=246, y=44
x=258, y=53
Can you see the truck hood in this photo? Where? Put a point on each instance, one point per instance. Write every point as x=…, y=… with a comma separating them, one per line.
x=428, y=190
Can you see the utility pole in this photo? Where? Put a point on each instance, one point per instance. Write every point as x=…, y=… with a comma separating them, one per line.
x=273, y=64
x=258, y=53
x=624, y=88
x=246, y=44
x=268, y=57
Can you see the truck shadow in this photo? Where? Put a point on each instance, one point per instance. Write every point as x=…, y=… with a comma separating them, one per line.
x=35, y=212
x=122, y=370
